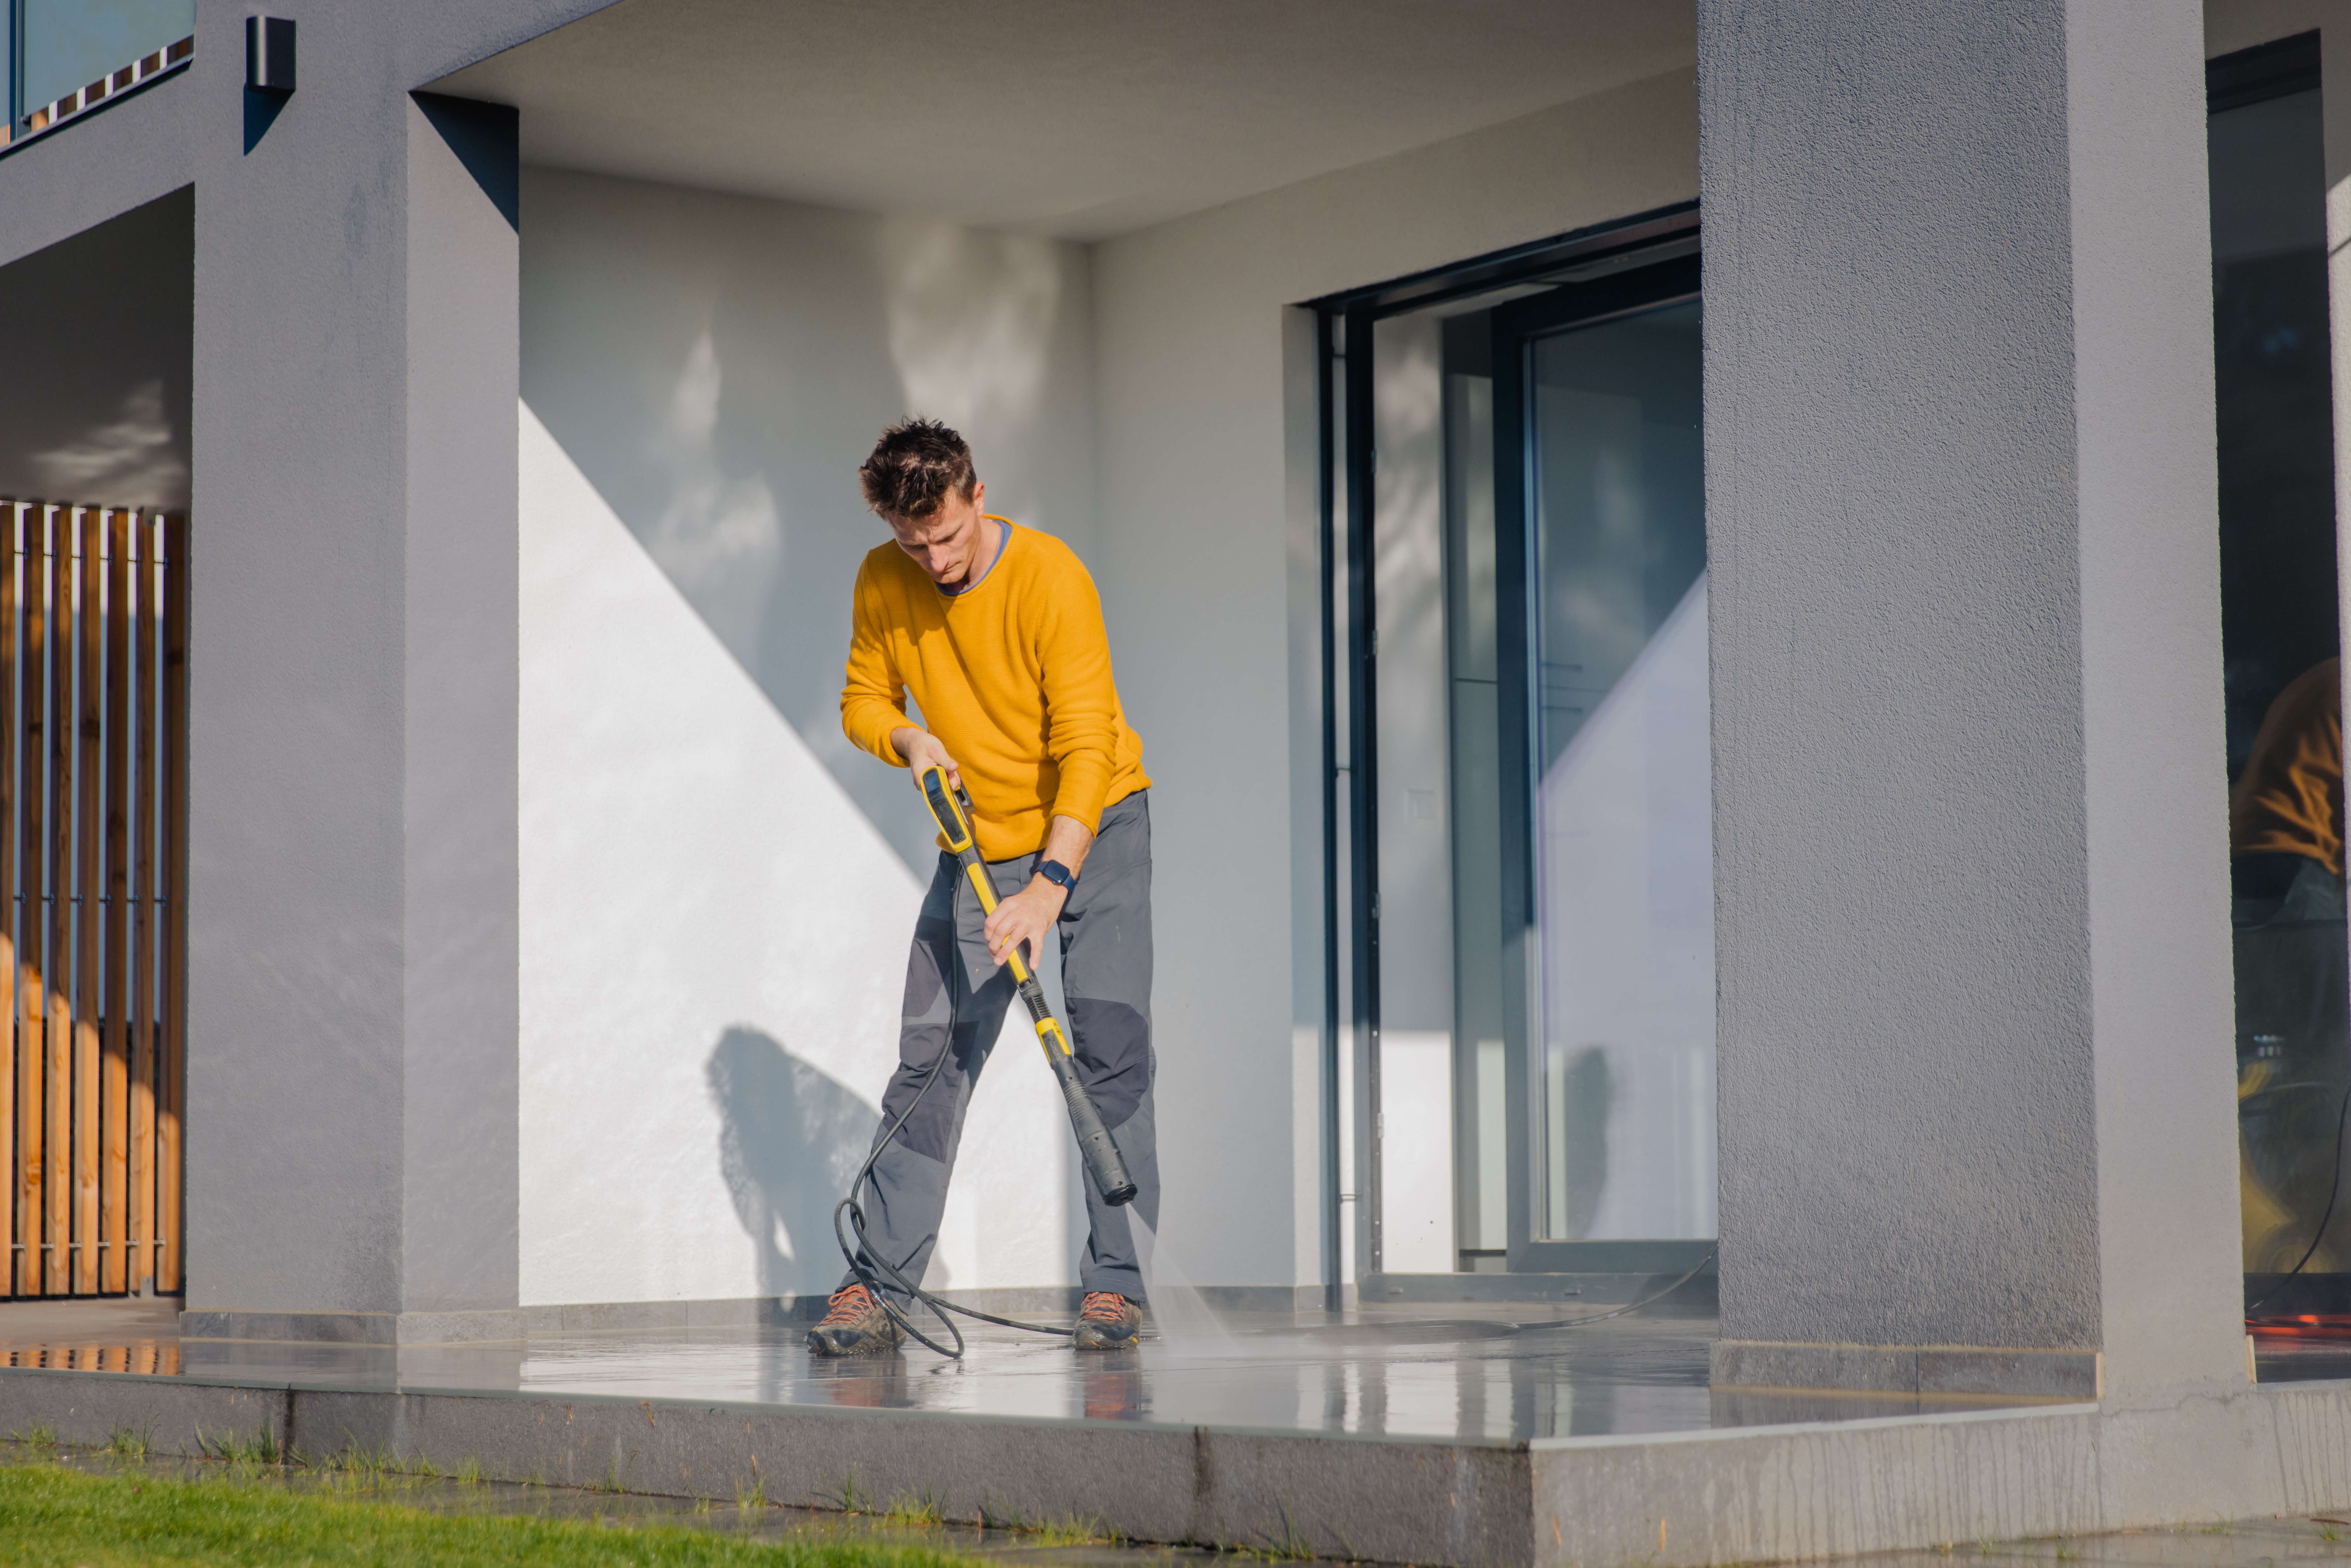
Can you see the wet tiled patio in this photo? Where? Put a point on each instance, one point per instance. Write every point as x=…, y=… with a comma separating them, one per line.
x=1429, y=1433
x=1491, y=1371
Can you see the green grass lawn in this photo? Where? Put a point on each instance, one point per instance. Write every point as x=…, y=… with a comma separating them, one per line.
x=54, y=1518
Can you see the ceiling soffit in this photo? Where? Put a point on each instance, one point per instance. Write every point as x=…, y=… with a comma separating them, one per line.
x=1081, y=119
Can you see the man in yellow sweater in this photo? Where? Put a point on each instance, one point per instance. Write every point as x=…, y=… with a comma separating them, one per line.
x=997, y=633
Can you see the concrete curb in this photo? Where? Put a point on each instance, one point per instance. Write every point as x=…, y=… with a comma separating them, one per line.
x=1388, y=1500
x=1735, y=1495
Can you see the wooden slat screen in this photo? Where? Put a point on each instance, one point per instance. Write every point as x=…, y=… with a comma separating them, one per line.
x=93, y=770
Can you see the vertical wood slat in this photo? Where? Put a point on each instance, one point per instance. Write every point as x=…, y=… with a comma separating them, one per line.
x=114, y=1082
x=90, y=713
x=31, y=1012
x=57, y=1034
x=170, y=1065
x=56, y=1068
x=8, y=552
x=141, y=613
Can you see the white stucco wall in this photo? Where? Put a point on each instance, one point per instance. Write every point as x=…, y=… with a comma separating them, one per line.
x=1205, y=555
x=716, y=890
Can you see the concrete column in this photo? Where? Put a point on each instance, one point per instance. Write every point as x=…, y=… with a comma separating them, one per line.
x=352, y=1012
x=462, y=934
x=1975, y=1098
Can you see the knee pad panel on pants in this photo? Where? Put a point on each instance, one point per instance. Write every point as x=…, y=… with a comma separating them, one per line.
x=1114, y=1054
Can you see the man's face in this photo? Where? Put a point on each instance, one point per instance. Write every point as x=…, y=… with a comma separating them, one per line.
x=947, y=543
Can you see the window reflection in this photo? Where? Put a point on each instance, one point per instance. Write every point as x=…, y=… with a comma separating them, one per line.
x=2285, y=832
x=2281, y=641
x=69, y=44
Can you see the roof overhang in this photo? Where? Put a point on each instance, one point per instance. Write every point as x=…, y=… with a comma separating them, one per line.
x=1081, y=119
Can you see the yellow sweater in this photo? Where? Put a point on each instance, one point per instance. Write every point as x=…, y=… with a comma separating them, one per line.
x=1012, y=674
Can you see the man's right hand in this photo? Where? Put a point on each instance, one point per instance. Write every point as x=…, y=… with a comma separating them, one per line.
x=922, y=749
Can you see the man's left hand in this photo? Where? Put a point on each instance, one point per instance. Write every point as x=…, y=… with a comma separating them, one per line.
x=1025, y=919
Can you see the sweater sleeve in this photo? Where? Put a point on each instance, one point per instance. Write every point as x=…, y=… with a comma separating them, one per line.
x=874, y=697
x=1081, y=699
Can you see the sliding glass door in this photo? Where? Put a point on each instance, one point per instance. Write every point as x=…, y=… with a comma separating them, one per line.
x=1522, y=773
x=1606, y=779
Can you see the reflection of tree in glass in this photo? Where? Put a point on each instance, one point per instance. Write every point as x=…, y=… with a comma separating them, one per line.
x=1581, y=1143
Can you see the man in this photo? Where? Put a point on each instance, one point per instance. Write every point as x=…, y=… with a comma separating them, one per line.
x=996, y=631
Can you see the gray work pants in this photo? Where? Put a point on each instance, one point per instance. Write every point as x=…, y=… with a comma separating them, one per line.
x=955, y=1001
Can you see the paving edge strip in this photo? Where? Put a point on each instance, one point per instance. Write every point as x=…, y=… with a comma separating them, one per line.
x=1400, y=1501
x=1751, y=1495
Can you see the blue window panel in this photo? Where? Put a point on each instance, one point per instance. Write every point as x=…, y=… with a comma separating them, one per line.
x=69, y=44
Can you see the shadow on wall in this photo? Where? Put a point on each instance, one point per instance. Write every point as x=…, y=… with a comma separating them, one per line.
x=791, y=1139
x=109, y=317
x=1588, y=1098
x=718, y=366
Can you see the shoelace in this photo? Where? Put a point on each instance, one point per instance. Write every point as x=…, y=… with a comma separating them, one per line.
x=1103, y=1307
x=848, y=1307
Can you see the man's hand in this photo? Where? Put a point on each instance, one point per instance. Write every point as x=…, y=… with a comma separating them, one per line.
x=922, y=749
x=1025, y=920
x=1028, y=917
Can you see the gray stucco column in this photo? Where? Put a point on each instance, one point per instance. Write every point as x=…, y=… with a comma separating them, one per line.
x=353, y=665
x=1976, y=1097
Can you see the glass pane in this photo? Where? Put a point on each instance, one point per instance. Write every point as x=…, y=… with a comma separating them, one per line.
x=69, y=44
x=2280, y=638
x=1624, y=801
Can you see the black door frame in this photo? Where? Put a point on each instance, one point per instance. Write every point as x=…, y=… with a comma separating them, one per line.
x=1610, y=253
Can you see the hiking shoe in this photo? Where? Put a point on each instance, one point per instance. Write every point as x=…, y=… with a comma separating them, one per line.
x=855, y=1326
x=1108, y=1321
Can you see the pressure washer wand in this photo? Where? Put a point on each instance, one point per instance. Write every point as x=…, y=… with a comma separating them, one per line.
x=952, y=807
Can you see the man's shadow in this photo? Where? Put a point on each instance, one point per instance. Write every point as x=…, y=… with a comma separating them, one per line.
x=791, y=1139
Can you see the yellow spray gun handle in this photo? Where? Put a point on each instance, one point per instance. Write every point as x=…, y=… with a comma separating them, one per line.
x=1104, y=1162
x=979, y=875
x=954, y=826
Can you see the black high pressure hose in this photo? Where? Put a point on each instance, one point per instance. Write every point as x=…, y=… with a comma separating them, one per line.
x=869, y=1266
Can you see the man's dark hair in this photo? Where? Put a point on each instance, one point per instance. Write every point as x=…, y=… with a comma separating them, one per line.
x=914, y=468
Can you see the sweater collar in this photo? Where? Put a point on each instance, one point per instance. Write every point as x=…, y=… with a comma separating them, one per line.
x=1003, y=543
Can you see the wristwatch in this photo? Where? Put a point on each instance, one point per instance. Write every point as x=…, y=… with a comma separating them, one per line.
x=1060, y=875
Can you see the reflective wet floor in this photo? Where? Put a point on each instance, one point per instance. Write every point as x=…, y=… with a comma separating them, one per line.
x=1494, y=1371
x=2290, y=1357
